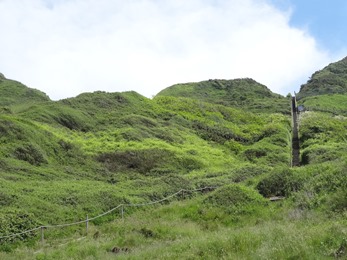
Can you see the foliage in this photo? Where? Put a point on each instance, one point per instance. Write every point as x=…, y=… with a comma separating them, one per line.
x=31, y=154
x=61, y=161
x=280, y=182
x=14, y=93
x=233, y=195
x=142, y=161
x=331, y=79
x=15, y=222
x=241, y=93
x=331, y=103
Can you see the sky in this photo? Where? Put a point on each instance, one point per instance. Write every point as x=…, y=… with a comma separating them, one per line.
x=67, y=47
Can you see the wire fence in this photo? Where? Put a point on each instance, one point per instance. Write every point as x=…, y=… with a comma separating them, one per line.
x=120, y=206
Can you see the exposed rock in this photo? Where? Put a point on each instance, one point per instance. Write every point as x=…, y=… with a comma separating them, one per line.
x=118, y=250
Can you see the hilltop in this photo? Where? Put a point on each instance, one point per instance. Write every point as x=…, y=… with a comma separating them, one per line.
x=330, y=80
x=15, y=93
x=241, y=93
x=228, y=140
x=326, y=91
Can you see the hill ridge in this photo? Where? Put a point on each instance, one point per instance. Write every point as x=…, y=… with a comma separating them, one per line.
x=332, y=79
x=243, y=93
x=61, y=161
x=15, y=93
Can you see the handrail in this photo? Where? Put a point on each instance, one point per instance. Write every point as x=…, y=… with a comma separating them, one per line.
x=105, y=213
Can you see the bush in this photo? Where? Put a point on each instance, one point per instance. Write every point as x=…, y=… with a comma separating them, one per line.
x=338, y=201
x=5, y=199
x=233, y=195
x=321, y=153
x=280, y=182
x=218, y=134
x=248, y=171
x=189, y=163
x=254, y=153
x=31, y=154
x=142, y=161
x=16, y=222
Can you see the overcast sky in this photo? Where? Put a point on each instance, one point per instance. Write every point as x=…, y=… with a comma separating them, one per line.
x=66, y=47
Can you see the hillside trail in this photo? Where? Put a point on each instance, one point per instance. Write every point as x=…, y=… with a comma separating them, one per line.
x=295, y=135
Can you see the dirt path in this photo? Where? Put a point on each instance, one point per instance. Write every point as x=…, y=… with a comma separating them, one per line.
x=295, y=135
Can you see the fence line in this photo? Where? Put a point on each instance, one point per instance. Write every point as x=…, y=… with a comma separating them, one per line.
x=105, y=213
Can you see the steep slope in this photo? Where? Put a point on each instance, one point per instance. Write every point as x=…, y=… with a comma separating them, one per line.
x=330, y=80
x=15, y=93
x=241, y=93
x=326, y=91
x=61, y=161
x=87, y=154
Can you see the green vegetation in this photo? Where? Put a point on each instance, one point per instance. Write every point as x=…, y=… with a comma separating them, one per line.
x=331, y=103
x=61, y=161
x=241, y=93
x=15, y=93
x=330, y=80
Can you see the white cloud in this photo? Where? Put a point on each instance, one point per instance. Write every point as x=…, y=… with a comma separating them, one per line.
x=67, y=47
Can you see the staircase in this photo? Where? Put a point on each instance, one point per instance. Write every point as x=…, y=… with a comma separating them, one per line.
x=295, y=135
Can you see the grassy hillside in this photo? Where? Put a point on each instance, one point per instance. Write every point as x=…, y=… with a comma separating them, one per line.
x=330, y=103
x=241, y=93
x=14, y=93
x=61, y=161
x=330, y=80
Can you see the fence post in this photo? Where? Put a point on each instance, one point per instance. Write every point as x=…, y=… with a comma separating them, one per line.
x=42, y=235
x=87, y=225
x=122, y=210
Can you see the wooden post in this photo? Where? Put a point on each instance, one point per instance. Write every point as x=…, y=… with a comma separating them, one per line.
x=42, y=235
x=87, y=225
x=122, y=210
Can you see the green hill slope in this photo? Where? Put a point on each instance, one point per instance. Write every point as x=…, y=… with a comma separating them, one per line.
x=15, y=93
x=241, y=93
x=61, y=161
x=148, y=148
x=330, y=80
x=326, y=91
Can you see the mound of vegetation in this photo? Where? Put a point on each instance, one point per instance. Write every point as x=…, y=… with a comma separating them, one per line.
x=15, y=93
x=233, y=195
x=330, y=80
x=241, y=93
x=330, y=103
x=192, y=169
x=57, y=114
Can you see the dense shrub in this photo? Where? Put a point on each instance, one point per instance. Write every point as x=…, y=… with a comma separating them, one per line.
x=322, y=153
x=256, y=152
x=16, y=222
x=217, y=133
x=9, y=131
x=248, y=171
x=280, y=182
x=142, y=161
x=71, y=121
x=176, y=182
x=189, y=163
x=138, y=120
x=322, y=185
x=338, y=201
x=31, y=154
x=6, y=200
x=232, y=196
x=3, y=165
